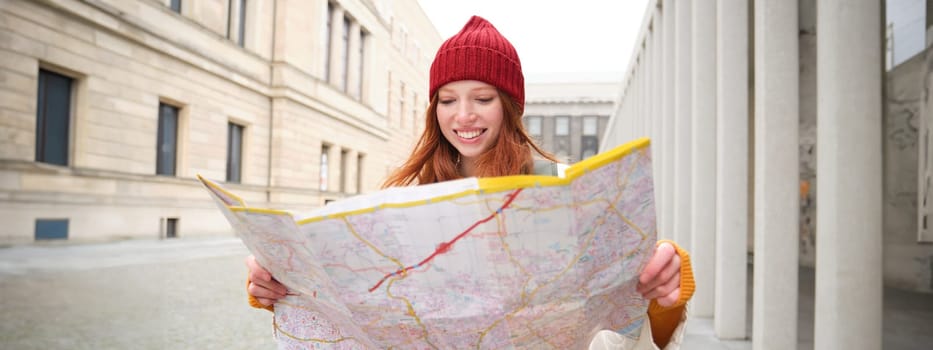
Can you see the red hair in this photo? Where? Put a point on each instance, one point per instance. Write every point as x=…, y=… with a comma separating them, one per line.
x=435, y=159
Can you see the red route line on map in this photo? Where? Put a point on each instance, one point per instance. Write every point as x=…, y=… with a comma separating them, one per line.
x=445, y=246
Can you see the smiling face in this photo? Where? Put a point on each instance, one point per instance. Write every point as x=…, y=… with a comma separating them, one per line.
x=469, y=114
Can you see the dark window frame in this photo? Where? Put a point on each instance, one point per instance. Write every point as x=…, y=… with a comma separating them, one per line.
x=324, y=168
x=241, y=28
x=361, y=68
x=167, y=160
x=235, y=137
x=345, y=50
x=54, y=95
x=327, y=40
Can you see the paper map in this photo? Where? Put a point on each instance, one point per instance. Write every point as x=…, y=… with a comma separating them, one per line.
x=490, y=263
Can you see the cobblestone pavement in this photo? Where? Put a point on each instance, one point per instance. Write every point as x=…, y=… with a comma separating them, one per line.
x=172, y=294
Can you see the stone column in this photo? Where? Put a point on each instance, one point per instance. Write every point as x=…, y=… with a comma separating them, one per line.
x=731, y=168
x=683, y=76
x=703, y=155
x=333, y=168
x=336, y=46
x=350, y=177
x=642, y=89
x=353, y=61
x=668, y=125
x=776, y=174
x=849, y=167
x=650, y=81
x=657, y=117
x=640, y=96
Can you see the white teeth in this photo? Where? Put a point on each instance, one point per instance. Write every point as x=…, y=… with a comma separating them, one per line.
x=469, y=134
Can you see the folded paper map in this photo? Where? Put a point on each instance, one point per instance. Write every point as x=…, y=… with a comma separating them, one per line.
x=491, y=263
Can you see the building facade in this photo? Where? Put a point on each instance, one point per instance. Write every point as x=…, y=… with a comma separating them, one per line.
x=111, y=108
x=567, y=117
x=779, y=141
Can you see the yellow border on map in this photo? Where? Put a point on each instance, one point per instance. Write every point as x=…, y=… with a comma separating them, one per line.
x=486, y=185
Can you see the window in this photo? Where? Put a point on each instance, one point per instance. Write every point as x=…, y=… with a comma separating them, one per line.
x=167, y=140
x=589, y=141
x=905, y=30
x=359, y=173
x=234, y=152
x=175, y=5
x=51, y=229
x=327, y=41
x=344, y=158
x=325, y=149
x=589, y=146
x=169, y=227
x=237, y=12
x=533, y=124
x=53, y=118
x=590, y=126
x=562, y=148
x=345, y=54
x=241, y=28
x=562, y=126
x=360, y=69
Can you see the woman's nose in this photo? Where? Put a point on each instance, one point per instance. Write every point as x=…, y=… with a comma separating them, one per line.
x=465, y=113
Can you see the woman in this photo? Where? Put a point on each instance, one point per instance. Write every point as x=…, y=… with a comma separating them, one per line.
x=473, y=128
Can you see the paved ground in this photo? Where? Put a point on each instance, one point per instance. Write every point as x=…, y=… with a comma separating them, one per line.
x=182, y=294
x=176, y=294
x=907, y=324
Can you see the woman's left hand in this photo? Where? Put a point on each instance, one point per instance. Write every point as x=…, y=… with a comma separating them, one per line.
x=661, y=277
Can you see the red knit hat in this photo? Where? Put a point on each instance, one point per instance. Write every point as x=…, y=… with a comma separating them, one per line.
x=479, y=52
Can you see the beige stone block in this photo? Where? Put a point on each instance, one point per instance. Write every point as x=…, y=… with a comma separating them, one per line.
x=211, y=14
x=130, y=138
x=18, y=101
x=16, y=81
x=57, y=56
x=18, y=62
x=116, y=149
x=110, y=118
x=34, y=12
x=144, y=166
x=17, y=151
x=48, y=182
x=123, y=106
x=113, y=43
x=16, y=137
x=16, y=42
x=17, y=120
x=10, y=179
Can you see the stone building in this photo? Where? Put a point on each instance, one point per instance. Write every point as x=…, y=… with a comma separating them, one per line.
x=109, y=109
x=780, y=140
x=567, y=115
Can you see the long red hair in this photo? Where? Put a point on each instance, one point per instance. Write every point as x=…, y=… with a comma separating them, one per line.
x=435, y=159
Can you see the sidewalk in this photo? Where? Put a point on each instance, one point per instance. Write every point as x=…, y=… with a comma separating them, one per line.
x=907, y=324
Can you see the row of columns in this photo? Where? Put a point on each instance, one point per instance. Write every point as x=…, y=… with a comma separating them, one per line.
x=345, y=54
x=722, y=168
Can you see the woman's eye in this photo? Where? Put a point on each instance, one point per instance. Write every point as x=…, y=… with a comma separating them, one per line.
x=446, y=101
x=485, y=99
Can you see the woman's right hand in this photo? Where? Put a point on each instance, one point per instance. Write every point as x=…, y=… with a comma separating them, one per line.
x=262, y=286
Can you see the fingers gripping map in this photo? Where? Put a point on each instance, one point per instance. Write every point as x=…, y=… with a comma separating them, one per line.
x=491, y=263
